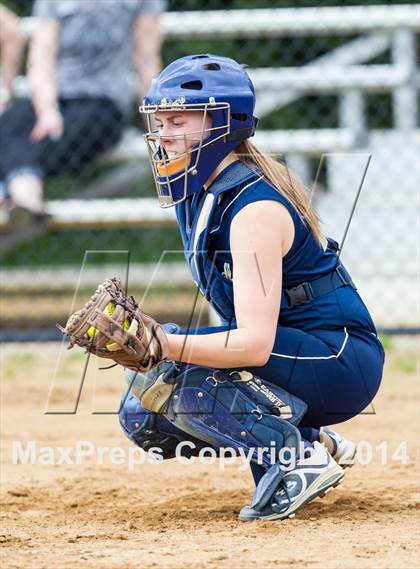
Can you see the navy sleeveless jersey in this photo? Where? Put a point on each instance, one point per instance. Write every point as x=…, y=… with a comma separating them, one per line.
x=205, y=219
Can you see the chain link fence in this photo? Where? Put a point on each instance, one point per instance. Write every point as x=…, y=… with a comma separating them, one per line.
x=337, y=96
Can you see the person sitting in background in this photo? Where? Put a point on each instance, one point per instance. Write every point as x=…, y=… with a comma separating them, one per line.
x=80, y=71
x=12, y=43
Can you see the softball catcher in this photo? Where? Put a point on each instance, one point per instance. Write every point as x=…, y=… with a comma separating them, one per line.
x=297, y=349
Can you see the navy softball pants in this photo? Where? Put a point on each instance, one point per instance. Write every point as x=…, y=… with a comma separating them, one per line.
x=336, y=372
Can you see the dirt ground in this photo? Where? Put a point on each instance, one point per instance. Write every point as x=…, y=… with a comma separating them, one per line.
x=176, y=515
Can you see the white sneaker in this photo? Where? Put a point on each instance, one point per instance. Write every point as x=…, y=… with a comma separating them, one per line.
x=312, y=477
x=342, y=450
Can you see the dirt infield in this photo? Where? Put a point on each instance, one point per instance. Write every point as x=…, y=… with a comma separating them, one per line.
x=173, y=515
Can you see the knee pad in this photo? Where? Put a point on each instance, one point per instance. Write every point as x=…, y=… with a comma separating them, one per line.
x=147, y=429
x=155, y=387
x=236, y=410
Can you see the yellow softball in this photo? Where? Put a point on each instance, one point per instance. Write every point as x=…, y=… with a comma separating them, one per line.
x=109, y=311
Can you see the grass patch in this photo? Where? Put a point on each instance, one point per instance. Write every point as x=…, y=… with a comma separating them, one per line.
x=68, y=247
x=75, y=356
x=406, y=363
x=10, y=372
x=386, y=341
x=22, y=359
x=17, y=362
x=64, y=371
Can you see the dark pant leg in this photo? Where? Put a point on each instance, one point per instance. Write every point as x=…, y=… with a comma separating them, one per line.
x=336, y=372
x=16, y=149
x=92, y=126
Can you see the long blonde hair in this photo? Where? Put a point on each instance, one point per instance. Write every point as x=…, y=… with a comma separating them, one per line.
x=284, y=182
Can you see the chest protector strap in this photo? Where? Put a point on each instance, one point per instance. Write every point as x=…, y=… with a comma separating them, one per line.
x=195, y=233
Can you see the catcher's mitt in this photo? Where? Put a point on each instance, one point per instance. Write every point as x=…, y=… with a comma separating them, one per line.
x=111, y=325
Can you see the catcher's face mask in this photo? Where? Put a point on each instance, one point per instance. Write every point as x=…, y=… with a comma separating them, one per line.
x=182, y=144
x=218, y=90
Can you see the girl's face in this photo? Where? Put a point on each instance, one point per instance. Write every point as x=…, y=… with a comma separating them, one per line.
x=181, y=130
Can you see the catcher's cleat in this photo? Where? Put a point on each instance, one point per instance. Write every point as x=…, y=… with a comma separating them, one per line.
x=342, y=450
x=312, y=477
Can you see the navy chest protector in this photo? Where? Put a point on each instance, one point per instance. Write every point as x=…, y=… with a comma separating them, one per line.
x=217, y=287
x=195, y=232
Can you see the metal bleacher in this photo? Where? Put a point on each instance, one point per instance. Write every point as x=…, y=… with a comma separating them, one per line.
x=350, y=72
x=343, y=71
